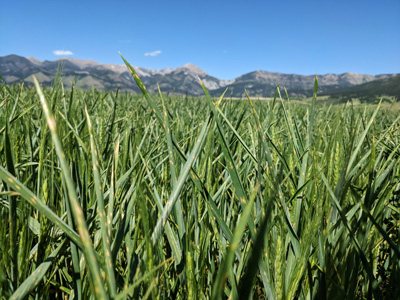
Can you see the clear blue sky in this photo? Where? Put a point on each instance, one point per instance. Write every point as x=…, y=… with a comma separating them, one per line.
x=225, y=38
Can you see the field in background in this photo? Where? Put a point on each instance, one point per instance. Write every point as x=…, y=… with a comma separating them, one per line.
x=127, y=196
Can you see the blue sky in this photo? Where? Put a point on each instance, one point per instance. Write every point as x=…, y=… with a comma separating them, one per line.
x=225, y=38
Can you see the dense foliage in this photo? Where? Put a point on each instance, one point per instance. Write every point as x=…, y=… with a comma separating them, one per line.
x=107, y=195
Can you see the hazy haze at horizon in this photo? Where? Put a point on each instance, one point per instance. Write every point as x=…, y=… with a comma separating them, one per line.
x=225, y=38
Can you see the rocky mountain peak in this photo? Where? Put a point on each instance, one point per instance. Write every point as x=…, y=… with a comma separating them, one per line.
x=82, y=63
x=34, y=60
x=194, y=69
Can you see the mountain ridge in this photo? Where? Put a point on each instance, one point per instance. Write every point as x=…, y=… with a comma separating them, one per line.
x=183, y=80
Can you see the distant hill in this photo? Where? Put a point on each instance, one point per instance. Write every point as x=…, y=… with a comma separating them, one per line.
x=263, y=83
x=367, y=91
x=183, y=80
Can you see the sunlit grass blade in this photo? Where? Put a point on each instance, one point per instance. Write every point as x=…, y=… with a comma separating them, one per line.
x=361, y=139
x=363, y=257
x=17, y=117
x=34, y=279
x=101, y=210
x=12, y=216
x=384, y=234
x=130, y=289
x=171, y=236
x=181, y=180
x=269, y=167
x=172, y=164
x=231, y=165
x=236, y=134
x=247, y=280
x=88, y=250
x=312, y=113
x=222, y=274
x=144, y=91
x=38, y=204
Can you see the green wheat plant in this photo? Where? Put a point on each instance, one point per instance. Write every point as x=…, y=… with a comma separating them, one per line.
x=110, y=195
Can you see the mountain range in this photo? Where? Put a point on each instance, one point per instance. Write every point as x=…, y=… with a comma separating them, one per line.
x=182, y=80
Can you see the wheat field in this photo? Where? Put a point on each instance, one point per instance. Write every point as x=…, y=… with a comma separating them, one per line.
x=122, y=196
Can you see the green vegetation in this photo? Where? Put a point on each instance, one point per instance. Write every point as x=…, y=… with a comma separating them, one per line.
x=387, y=89
x=121, y=196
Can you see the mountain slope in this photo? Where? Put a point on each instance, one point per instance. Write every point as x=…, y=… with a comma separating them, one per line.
x=385, y=86
x=182, y=80
x=263, y=84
